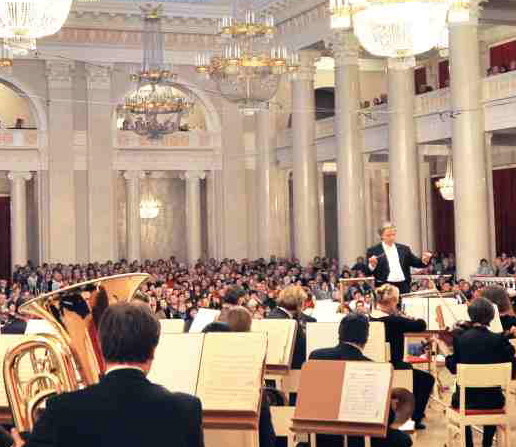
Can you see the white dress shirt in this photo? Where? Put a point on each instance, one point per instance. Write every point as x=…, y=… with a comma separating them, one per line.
x=393, y=258
x=119, y=367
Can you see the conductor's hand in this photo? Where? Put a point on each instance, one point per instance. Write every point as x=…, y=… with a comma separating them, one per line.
x=373, y=262
x=18, y=440
x=426, y=257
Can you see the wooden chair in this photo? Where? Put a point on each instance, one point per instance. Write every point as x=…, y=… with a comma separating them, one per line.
x=479, y=376
x=282, y=422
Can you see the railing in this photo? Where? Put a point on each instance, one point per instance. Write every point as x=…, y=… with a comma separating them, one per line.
x=499, y=86
x=126, y=139
x=19, y=138
x=432, y=102
x=507, y=282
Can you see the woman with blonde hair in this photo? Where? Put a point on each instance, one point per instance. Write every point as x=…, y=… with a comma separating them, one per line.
x=396, y=325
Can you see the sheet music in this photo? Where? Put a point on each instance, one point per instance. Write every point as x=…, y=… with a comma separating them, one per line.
x=325, y=311
x=321, y=335
x=231, y=371
x=280, y=338
x=39, y=327
x=375, y=348
x=416, y=307
x=365, y=391
x=203, y=318
x=459, y=312
x=172, y=326
x=177, y=361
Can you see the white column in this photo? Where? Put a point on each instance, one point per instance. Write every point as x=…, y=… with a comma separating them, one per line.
x=266, y=178
x=133, y=225
x=350, y=164
x=403, y=156
x=322, y=220
x=19, y=245
x=306, y=206
x=193, y=215
x=490, y=194
x=469, y=160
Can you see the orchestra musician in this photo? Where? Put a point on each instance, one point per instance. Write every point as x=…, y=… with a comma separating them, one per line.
x=474, y=343
x=289, y=306
x=353, y=335
x=396, y=325
x=124, y=408
x=390, y=262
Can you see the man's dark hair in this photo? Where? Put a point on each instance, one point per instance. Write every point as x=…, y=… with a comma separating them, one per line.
x=128, y=333
x=481, y=311
x=498, y=296
x=354, y=328
x=233, y=295
x=216, y=326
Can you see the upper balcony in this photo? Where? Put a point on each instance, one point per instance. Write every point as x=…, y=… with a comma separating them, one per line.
x=432, y=114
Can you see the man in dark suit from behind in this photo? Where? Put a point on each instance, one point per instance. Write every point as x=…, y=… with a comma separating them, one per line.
x=390, y=262
x=124, y=408
x=353, y=335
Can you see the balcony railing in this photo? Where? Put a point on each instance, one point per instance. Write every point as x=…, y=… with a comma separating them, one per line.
x=19, y=138
x=195, y=139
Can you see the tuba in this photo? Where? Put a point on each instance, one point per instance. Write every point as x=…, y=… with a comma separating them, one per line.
x=70, y=358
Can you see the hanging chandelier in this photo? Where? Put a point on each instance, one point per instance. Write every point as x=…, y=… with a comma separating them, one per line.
x=155, y=108
x=398, y=28
x=445, y=185
x=250, y=67
x=149, y=206
x=24, y=21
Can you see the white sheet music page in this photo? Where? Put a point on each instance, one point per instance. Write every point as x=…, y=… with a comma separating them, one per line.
x=375, y=346
x=203, y=318
x=365, y=391
x=177, y=361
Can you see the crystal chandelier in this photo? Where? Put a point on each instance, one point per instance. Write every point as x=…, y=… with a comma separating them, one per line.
x=445, y=185
x=250, y=67
x=398, y=28
x=24, y=21
x=149, y=206
x=155, y=108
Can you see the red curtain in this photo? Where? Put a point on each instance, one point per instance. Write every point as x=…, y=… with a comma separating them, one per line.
x=444, y=222
x=5, y=237
x=419, y=78
x=502, y=54
x=444, y=73
x=504, y=188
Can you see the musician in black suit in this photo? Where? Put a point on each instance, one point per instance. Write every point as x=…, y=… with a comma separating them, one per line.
x=390, y=262
x=396, y=325
x=474, y=343
x=353, y=335
x=124, y=408
x=289, y=305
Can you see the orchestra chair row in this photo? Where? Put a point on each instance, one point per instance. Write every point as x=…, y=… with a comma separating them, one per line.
x=479, y=376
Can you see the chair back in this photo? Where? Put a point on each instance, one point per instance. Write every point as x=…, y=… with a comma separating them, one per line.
x=484, y=376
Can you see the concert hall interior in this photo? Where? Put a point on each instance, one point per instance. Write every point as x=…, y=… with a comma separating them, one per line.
x=258, y=223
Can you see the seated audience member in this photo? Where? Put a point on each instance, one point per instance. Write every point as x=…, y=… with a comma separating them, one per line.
x=396, y=326
x=15, y=324
x=353, y=335
x=500, y=298
x=476, y=344
x=124, y=408
x=512, y=65
x=289, y=305
x=484, y=268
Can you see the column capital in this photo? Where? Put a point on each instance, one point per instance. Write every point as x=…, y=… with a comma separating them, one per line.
x=468, y=16
x=59, y=73
x=307, y=60
x=19, y=175
x=404, y=63
x=134, y=175
x=98, y=77
x=345, y=47
x=193, y=175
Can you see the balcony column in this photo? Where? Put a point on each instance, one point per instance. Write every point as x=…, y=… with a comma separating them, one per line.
x=133, y=225
x=19, y=244
x=350, y=163
x=403, y=156
x=306, y=203
x=469, y=156
x=193, y=215
x=322, y=220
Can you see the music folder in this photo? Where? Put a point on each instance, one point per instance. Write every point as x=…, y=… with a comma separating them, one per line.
x=343, y=398
x=224, y=370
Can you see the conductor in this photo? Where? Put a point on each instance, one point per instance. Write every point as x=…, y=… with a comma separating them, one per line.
x=390, y=262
